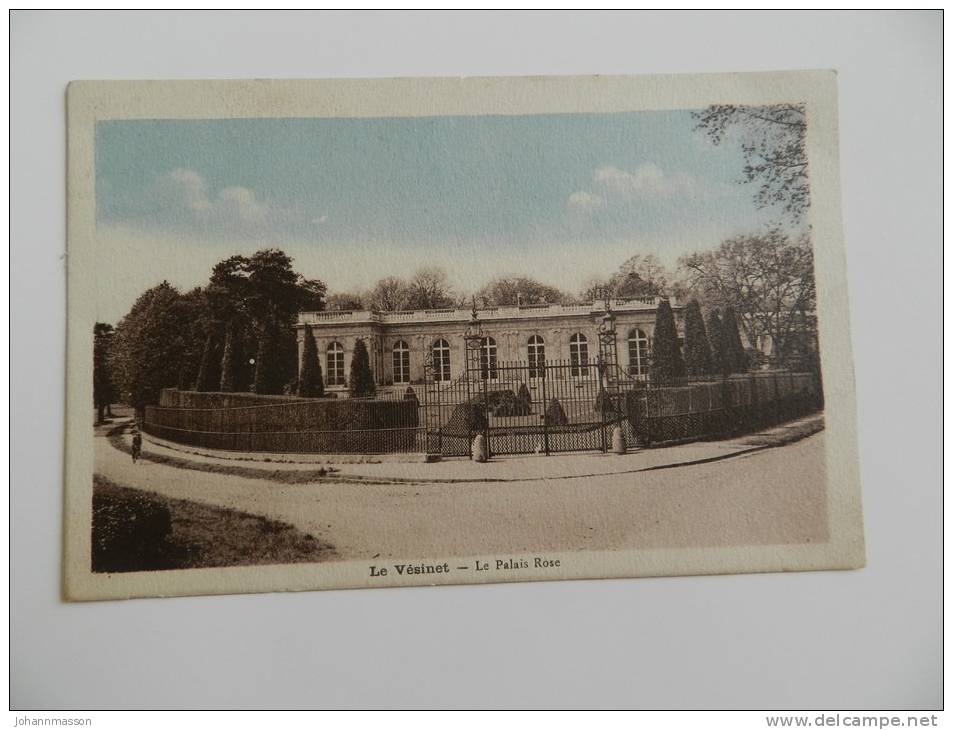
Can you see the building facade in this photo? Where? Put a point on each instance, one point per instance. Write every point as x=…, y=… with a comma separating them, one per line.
x=399, y=343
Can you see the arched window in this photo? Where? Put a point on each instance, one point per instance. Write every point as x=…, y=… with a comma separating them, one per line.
x=488, y=369
x=401, y=362
x=441, y=360
x=335, y=364
x=578, y=355
x=638, y=353
x=536, y=351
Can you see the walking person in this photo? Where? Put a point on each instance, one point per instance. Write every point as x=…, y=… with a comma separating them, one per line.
x=136, y=446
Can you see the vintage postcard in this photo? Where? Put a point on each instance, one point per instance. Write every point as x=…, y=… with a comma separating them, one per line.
x=371, y=333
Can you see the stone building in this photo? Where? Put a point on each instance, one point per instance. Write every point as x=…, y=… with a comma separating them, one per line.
x=399, y=342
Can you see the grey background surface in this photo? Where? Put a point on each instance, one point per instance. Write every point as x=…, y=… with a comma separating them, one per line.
x=863, y=639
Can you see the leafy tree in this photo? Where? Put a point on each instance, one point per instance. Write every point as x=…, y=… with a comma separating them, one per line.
x=737, y=359
x=767, y=279
x=310, y=380
x=265, y=290
x=390, y=294
x=232, y=359
x=429, y=288
x=103, y=389
x=270, y=377
x=772, y=139
x=209, y=376
x=667, y=363
x=697, y=347
x=361, y=382
x=151, y=345
x=508, y=291
x=720, y=360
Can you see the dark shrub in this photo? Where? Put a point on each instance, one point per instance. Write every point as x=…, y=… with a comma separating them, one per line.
x=555, y=415
x=310, y=380
x=507, y=403
x=605, y=404
x=667, y=363
x=129, y=532
x=697, y=350
x=466, y=418
x=361, y=382
x=524, y=396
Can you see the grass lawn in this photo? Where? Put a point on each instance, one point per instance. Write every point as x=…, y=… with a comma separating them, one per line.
x=135, y=530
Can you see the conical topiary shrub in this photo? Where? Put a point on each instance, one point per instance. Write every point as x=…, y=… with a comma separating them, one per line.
x=555, y=415
x=697, y=351
x=524, y=397
x=667, y=364
x=310, y=380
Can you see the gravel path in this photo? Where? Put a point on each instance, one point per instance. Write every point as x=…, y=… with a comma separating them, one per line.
x=776, y=495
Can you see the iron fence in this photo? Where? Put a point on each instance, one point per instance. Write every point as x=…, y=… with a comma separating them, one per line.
x=720, y=407
x=540, y=407
x=521, y=408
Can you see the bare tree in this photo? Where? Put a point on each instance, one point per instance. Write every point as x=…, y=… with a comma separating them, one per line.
x=768, y=279
x=510, y=290
x=430, y=289
x=344, y=301
x=389, y=294
x=772, y=139
x=641, y=275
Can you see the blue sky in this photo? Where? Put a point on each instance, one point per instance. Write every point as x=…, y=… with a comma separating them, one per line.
x=560, y=197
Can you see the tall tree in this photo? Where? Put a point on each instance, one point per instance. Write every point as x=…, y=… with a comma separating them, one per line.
x=772, y=140
x=720, y=361
x=389, y=294
x=269, y=374
x=697, y=347
x=103, y=389
x=361, y=382
x=430, y=289
x=737, y=359
x=210, y=368
x=639, y=276
x=232, y=359
x=151, y=343
x=666, y=364
x=277, y=294
x=768, y=279
x=506, y=291
x=310, y=379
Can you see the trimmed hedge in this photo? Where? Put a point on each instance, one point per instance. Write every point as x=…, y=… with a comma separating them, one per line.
x=292, y=425
x=174, y=398
x=737, y=404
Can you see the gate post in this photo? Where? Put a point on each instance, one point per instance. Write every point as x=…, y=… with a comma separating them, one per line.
x=545, y=404
x=601, y=400
x=473, y=339
x=608, y=358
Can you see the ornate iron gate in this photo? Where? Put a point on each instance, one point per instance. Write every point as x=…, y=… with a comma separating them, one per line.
x=537, y=406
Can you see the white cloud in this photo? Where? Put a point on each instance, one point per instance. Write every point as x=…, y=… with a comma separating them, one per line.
x=648, y=183
x=585, y=202
x=182, y=196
